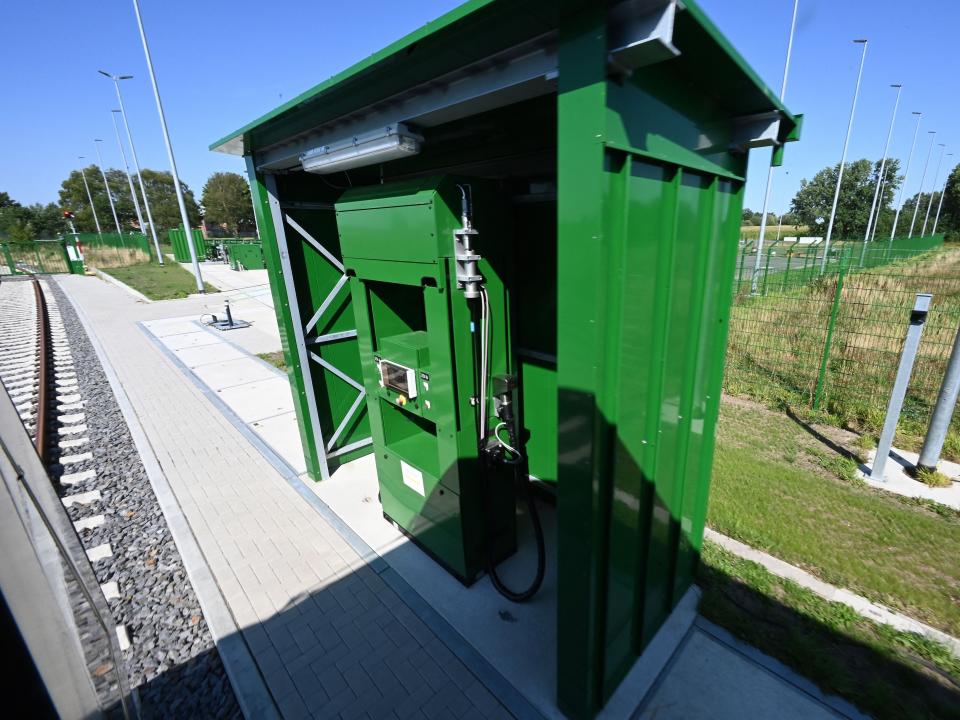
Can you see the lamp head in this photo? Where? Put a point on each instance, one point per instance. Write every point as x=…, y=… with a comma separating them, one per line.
x=861, y=41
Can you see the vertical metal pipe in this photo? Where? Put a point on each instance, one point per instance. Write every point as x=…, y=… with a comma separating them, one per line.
x=136, y=166
x=923, y=176
x=126, y=167
x=103, y=174
x=906, y=175
x=933, y=189
x=766, y=194
x=918, y=318
x=943, y=192
x=93, y=209
x=942, y=412
x=883, y=165
x=843, y=160
x=173, y=163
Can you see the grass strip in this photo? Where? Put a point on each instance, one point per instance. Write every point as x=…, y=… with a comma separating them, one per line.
x=159, y=282
x=885, y=672
x=778, y=488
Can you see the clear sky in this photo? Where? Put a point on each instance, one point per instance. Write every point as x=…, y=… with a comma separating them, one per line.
x=221, y=64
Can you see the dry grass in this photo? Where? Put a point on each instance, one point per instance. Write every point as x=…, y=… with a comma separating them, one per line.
x=110, y=257
x=752, y=232
x=777, y=344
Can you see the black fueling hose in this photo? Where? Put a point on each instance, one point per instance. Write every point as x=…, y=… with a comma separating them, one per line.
x=522, y=483
x=524, y=595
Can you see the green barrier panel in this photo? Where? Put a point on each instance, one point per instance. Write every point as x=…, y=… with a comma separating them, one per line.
x=181, y=251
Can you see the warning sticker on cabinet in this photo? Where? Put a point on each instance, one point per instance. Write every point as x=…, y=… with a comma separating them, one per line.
x=412, y=478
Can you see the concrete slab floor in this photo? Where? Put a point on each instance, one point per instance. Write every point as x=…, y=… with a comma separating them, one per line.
x=897, y=478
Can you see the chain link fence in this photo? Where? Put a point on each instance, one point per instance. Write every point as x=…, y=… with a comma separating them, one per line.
x=827, y=336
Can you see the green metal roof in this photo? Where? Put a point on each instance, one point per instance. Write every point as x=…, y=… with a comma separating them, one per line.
x=472, y=32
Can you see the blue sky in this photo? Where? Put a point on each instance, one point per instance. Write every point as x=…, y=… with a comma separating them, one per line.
x=221, y=64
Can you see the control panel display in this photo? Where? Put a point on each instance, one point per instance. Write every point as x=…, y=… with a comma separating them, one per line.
x=399, y=378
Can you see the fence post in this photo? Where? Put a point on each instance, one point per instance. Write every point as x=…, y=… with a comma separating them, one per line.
x=766, y=269
x=918, y=317
x=9, y=258
x=828, y=341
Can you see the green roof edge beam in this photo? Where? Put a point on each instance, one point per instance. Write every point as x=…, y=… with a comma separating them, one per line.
x=281, y=134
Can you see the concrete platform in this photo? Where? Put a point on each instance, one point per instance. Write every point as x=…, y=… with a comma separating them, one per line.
x=897, y=478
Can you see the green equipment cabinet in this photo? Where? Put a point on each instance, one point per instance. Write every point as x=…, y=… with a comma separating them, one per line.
x=605, y=147
x=416, y=330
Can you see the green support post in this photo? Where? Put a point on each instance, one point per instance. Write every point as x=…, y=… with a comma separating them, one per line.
x=828, y=341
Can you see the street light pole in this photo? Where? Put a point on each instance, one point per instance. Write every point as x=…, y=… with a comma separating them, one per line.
x=923, y=176
x=126, y=167
x=103, y=174
x=933, y=189
x=940, y=204
x=913, y=145
x=843, y=160
x=766, y=195
x=136, y=163
x=883, y=165
x=173, y=163
x=876, y=221
x=93, y=208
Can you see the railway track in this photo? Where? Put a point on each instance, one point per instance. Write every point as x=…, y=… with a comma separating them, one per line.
x=50, y=370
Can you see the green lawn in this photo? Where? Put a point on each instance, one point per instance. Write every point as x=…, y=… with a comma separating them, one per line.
x=779, y=489
x=159, y=282
x=885, y=672
x=274, y=358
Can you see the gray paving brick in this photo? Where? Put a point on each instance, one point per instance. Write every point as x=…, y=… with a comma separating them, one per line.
x=293, y=708
x=332, y=681
x=315, y=698
x=413, y=703
x=332, y=709
x=432, y=672
x=358, y=680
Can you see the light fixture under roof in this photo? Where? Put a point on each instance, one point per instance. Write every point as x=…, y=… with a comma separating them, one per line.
x=389, y=143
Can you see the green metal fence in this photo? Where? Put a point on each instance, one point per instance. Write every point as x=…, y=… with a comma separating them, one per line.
x=39, y=257
x=181, y=251
x=832, y=340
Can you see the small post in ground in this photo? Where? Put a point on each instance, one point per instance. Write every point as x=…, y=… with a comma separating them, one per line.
x=942, y=412
x=918, y=318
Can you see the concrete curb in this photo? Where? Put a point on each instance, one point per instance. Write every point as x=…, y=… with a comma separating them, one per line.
x=245, y=678
x=106, y=277
x=870, y=610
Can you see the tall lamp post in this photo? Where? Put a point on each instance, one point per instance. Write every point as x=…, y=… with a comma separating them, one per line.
x=874, y=210
x=173, y=163
x=126, y=167
x=766, y=195
x=913, y=145
x=136, y=163
x=93, y=208
x=940, y=204
x=933, y=189
x=843, y=160
x=103, y=174
x=923, y=176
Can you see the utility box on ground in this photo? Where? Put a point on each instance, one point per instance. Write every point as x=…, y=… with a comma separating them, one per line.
x=527, y=215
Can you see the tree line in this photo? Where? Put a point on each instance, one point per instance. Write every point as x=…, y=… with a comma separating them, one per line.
x=225, y=203
x=811, y=205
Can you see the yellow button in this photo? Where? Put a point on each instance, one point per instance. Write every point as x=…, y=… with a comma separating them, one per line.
x=402, y=400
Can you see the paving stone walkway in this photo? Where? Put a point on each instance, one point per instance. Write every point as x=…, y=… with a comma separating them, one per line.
x=330, y=636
